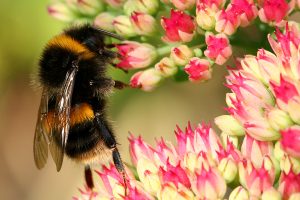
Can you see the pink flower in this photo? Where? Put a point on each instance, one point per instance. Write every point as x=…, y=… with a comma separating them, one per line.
x=146, y=80
x=227, y=21
x=143, y=24
x=273, y=11
x=256, y=150
x=213, y=4
x=135, y=55
x=290, y=141
x=246, y=9
x=180, y=27
x=218, y=48
x=198, y=69
x=138, y=149
x=183, y=4
x=209, y=184
x=289, y=183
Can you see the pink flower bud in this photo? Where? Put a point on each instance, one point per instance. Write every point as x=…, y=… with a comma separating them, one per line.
x=181, y=55
x=175, y=174
x=143, y=24
x=284, y=91
x=228, y=169
x=288, y=163
x=146, y=80
x=205, y=17
x=273, y=11
x=218, y=48
x=246, y=10
x=278, y=119
x=183, y=4
x=289, y=183
x=105, y=21
x=138, y=148
x=123, y=26
x=61, y=11
x=180, y=27
x=239, y=193
x=115, y=3
x=135, y=55
x=169, y=191
x=166, y=66
x=209, y=184
x=229, y=125
x=89, y=7
x=213, y=4
x=198, y=69
x=293, y=108
x=227, y=21
x=290, y=141
x=271, y=194
x=255, y=150
x=164, y=153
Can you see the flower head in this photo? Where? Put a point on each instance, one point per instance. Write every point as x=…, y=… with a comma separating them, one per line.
x=179, y=27
x=198, y=69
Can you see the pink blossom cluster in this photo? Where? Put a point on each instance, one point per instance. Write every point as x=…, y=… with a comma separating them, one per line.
x=165, y=39
x=257, y=154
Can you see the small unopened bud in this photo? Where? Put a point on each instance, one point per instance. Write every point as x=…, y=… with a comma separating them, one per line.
x=183, y=4
x=229, y=125
x=89, y=7
x=144, y=6
x=239, y=193
x=279, y=119
x=166, y=67
x=123, y=26
x=143, y=24
x=146, y=80
x=105, y=21
x=271, y=194
x=181, y=55
x=228, y=169
x=61, y=11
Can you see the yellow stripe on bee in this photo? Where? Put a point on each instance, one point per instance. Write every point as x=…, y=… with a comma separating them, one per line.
x=79, y=114
x=66, y=42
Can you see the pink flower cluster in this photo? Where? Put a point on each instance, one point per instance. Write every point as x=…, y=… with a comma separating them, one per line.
x=152, y=36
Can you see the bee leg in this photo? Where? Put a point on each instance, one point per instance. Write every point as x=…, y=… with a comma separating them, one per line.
x=111, y=143
x=88, y=177
x=120, y=167
x=120, y=85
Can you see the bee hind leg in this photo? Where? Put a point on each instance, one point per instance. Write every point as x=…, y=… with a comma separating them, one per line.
x=88, y=177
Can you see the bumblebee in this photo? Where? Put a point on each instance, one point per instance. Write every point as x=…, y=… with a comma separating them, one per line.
x=71, y=117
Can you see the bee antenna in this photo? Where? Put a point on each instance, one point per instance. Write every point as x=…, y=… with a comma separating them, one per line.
x=111, y=34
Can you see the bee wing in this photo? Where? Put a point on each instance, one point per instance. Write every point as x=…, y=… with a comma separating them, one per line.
x=41, y=140
x=62, y=116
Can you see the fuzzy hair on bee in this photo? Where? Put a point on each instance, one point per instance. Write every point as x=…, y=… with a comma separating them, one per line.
x=71, y=119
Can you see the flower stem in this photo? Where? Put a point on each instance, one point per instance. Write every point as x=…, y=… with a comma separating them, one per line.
x=162, y=51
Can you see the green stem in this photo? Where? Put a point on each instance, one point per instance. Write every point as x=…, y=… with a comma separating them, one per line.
x=162, y=51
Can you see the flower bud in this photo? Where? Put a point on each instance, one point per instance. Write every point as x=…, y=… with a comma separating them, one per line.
x=104, y=21
x=209, y=184
x=205, y=17
x=143, y=24
x=198, y=69
x=273, y=11
x=61, y=11
x=123, y=26
x=293, y=108
x=229, y=125
x=138, y=149
x=288, y=163
x=147, y=173
x=135, y=55
x=295, y=196
x=256, y=150
x=227, y=21
x=289, y=183
x=271, y=194
x=146, y=80
x=181, y=55
x=180, y=27
x=228, y=138
x=115, y=3
x=169, y=191
x=183, y=4
x=279, y=119
x=89, y=7
x=145, y=6
x=228, y=169
x=290, y=141
x=166, y=67
x=239, y=193
x=218, y=48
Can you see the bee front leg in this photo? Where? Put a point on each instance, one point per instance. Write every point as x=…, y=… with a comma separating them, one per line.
x=120, y=85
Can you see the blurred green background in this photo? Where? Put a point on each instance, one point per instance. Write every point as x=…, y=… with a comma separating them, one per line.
x=25, y=28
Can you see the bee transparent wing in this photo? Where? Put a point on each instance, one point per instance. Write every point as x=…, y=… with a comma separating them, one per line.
x=62, y=116
x=40, y=142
